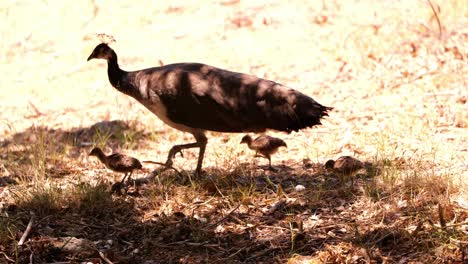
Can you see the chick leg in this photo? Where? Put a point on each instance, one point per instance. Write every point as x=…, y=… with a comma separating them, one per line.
x=123, y=179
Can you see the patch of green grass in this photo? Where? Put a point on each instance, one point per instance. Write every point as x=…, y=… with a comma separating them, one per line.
x=42, y=199
x=383, y=161
x=8, y=229
x=125, y=135
x=39, y=156
x=100, y=137
x=244, y=193
x=46, y=199
x=34, y=153
x=131, y=136
x=227, y=157
x=92, y=200
x=373, y=190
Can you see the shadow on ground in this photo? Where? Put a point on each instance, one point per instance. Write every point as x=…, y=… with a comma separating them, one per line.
x=56, y=153
x=246, y=215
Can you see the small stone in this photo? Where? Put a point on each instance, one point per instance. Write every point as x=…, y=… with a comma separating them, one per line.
x=202, y=220
x=299, y=188
x=76, y=246
x=220, y=229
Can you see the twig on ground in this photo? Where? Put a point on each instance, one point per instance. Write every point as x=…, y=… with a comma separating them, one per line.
x=415, y=78
x=6, y=256
x=461, y=242
x=272, y=227
x=239, y=221
x=437, y=18
x=330, y=226
x=182, y=242
x=443, y=93
x=446, y=226
x=280, y=203
x=385, y=236
x=225, y=217
x=88, y=225
x=187, y=242
x=104, y=257
x=36, y=110
x=162, y=164
x=457, y=224
x=28, y=229
x=233, y=254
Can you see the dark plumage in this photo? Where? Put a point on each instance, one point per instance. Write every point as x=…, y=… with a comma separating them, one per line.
x=118, y=162
x=265, y=145
x=345, y=167
x=194, y=98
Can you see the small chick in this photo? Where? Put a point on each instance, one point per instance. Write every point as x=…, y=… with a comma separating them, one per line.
x=345, y=167
x=265, y=145
x=118, y=162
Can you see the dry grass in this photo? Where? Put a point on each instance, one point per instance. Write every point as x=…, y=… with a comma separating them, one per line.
x=396, y=79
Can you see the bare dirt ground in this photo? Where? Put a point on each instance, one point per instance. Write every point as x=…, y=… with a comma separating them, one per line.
x=394, y=71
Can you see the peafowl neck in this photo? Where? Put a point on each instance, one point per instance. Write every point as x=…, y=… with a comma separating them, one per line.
x=113, y=70
x=101, y=156
x=118, y=77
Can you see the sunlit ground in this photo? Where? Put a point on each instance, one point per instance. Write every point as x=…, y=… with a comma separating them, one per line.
x=394, y=71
